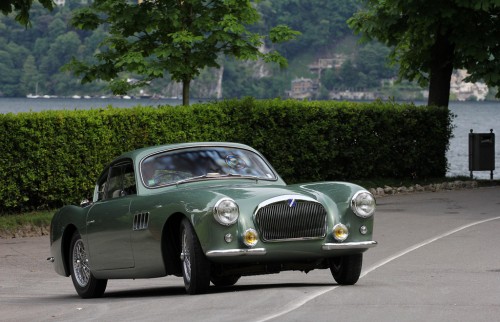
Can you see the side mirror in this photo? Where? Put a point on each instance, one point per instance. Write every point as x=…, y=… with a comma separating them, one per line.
x=84, y=203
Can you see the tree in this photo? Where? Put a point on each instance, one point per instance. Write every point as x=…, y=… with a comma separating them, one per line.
x=321, y=22
x=372, y=61
x=431, y=38
x=62, y=49
x=22, y=8
x=180, y=37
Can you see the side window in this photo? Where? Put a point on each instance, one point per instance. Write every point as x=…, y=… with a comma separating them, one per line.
x=119, y=182
x=129, y=186
x=115, y=182
x=102, y=187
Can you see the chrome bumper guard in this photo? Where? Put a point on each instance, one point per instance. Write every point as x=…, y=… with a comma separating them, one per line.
x=353, y=245
x=236, y=252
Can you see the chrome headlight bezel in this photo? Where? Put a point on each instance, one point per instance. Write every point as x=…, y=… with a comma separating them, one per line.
x=226, y=211
x=363, y=204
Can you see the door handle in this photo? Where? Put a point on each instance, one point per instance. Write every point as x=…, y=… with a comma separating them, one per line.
x=90, y=222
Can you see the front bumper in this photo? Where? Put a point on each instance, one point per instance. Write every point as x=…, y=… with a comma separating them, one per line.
x=262, y=251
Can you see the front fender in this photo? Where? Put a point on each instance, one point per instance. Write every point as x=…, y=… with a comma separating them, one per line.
x=64, y=223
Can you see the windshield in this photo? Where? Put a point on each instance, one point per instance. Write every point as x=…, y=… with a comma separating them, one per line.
x=201, y=163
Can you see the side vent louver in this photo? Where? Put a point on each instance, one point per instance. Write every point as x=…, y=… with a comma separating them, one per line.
x=141, y=221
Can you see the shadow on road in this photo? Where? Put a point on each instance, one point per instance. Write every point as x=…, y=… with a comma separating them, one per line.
x=179, y=291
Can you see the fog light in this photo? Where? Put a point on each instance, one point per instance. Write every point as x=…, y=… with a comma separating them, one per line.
x=363, y=230
x=250, y=237
x=228, y=238
x=340, y=232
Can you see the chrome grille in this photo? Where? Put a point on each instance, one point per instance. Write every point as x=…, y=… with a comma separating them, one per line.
x=304, y=219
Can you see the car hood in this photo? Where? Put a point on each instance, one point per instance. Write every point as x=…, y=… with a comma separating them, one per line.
x=249, y=196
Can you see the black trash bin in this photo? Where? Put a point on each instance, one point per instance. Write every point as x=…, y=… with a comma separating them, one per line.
x=482, y=152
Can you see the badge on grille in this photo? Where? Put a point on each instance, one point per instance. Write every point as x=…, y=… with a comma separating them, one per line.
x=292, y=203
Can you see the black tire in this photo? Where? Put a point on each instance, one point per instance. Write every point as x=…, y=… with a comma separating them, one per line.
x=346, y=269
x=221, y=281
x=86, y=285
x=195, y=266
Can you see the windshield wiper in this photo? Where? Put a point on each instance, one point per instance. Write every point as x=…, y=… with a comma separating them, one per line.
x=215, y=175
x=243, y=176
x=191, y=179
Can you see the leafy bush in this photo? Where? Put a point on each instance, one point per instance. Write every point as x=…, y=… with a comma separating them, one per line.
x=52, y=158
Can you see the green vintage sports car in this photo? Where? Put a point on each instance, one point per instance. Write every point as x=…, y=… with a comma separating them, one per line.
x=209, y=212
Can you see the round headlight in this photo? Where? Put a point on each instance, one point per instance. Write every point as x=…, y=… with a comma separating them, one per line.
x=226, y=211
x=363, y=204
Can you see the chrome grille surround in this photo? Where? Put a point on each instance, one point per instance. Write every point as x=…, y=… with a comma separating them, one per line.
x=290, y=217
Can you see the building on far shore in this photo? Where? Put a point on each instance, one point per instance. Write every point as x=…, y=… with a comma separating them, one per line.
x=464, y=91
x=306, y=88
x=302, y=88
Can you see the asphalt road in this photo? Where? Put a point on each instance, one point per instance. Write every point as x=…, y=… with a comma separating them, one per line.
x=438, y=259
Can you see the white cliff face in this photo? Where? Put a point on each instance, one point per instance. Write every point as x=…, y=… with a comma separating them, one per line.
x=467, y=91
x=218, y=89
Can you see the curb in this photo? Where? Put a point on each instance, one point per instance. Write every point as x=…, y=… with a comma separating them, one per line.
x=434, y=187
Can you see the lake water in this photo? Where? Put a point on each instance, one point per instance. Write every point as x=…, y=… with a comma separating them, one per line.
x=478, y=116
x=16, y=105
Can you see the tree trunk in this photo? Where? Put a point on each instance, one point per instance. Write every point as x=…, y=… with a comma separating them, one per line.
x=185, y=92
x=440, y=72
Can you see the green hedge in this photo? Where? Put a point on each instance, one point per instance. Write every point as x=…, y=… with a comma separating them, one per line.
x=52, y=158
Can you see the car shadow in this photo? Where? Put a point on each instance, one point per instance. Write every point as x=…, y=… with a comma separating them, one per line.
x=180, y=291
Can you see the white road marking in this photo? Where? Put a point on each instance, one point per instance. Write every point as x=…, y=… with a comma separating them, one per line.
x=297, y=304
x=424, y=243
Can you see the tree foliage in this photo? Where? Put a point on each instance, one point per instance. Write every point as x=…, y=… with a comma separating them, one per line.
x=180, y=37
x=430, y=39
x=52, y=39
x=321, y=22
x=362, y=71
x=32, y=57
x=22, y=8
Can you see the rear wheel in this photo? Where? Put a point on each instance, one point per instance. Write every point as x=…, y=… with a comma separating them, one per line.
x=86, y=285
x=346, y=269
x=222, y=281
x=195, y=266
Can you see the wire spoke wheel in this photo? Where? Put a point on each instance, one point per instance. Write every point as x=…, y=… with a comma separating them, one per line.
x=186, y=257
x=86, y=285
x=80, y=264
x=195, y=266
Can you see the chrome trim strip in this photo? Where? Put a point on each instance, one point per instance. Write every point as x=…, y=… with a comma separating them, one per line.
x=352, y=245
x=283, y=198
x=293, y=239
x=236, y=252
